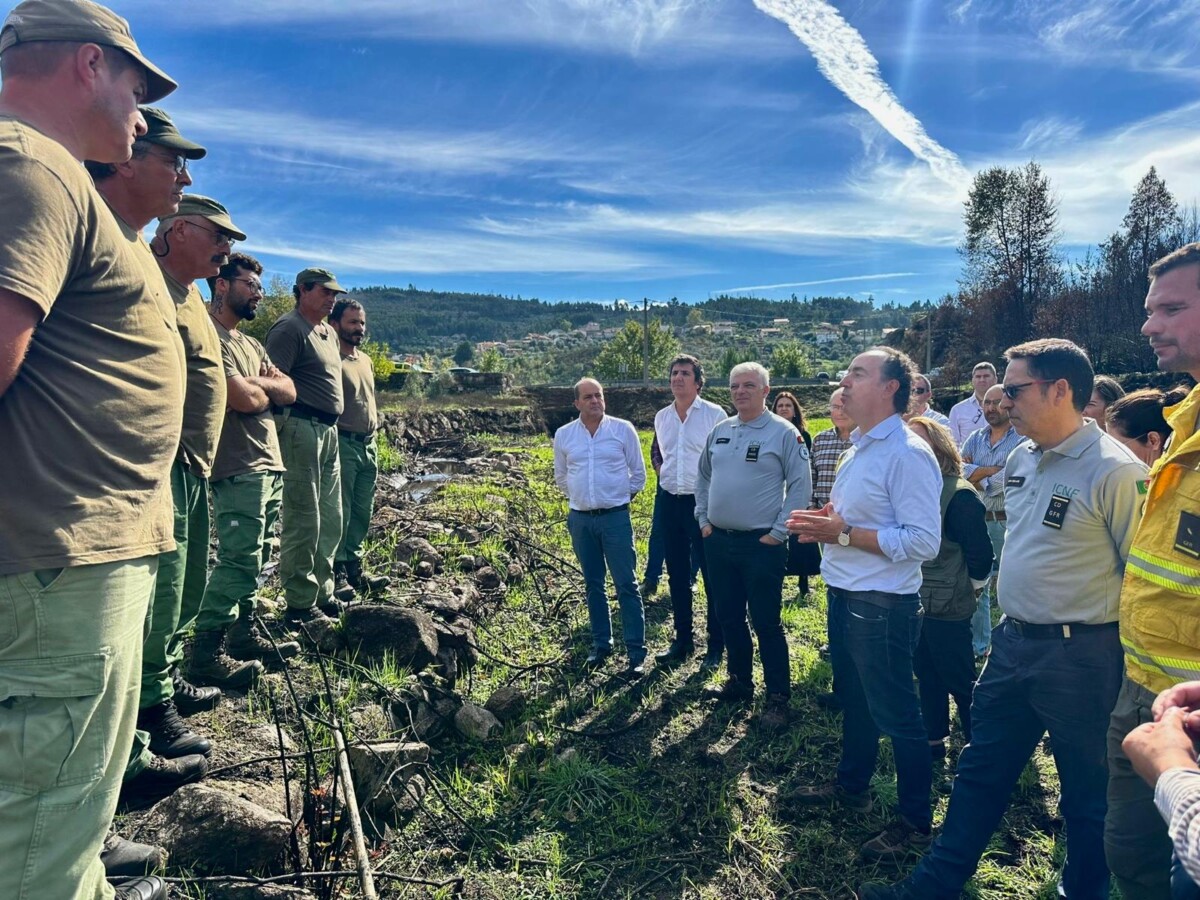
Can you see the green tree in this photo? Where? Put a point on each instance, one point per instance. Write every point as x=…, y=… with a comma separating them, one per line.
x=790, y=361
x=621, y=358
x=731, y=357
x=695, y=317
x=464, y=353
x=381, y=362
x=491, y=361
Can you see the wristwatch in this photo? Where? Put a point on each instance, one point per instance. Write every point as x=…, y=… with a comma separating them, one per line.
x=844, y=537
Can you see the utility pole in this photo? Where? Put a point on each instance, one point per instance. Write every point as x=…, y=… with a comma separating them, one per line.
x=645, y=340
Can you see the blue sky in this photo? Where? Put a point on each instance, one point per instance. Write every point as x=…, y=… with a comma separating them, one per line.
x=596, y=149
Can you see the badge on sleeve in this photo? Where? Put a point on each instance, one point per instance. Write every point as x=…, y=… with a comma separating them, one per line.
x=1014, y=481
x=752, y=452
x=1187, y=535
x=1056, y=512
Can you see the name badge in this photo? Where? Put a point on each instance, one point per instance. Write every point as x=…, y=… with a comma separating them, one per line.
x=1056, y=512
x=721, y=441
x=1014, y=481
x=752, y=452
x=1187, y=535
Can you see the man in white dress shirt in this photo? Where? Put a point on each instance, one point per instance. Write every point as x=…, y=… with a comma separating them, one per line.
x=682, y=429
x=966, y=416
x=598, y=464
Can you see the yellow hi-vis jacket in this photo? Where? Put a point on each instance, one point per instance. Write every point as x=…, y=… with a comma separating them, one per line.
x=1160, y=596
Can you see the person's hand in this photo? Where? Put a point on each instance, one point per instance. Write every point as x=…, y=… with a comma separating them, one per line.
x=706, y=531
x=1155, y=747
x=819, y=526
x=770, y=540
x=1184, y=696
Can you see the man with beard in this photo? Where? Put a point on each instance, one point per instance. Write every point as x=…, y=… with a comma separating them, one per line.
x=247, y=477
x=356, y=450
x=984, y=454
x=91, y=391
x=304, y=346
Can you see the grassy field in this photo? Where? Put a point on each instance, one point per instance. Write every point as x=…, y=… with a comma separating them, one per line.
x=612, y=788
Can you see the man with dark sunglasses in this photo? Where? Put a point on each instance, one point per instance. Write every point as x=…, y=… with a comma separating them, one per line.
x=922, y=393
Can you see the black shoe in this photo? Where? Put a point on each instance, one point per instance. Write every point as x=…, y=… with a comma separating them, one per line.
x=776, y=713
x=190, y=699
x=362, y=583
x=732, y=691
x=294, y=618
x=128, y=859
x=169, y=737
x=711, y=661
x=830, y=701
x=247, y=640
x=162, y=778
x=678, y=652
x=150, y=887
x=343, y=590
x=332, y=608
x=649, y=589
x=636, y=669
x=597, y=657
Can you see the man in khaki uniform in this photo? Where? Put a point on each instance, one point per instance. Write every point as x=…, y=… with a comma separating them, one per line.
x=192, y=242
x=304, y=346
x=247, y=476
x=91, y=393
x=356, y=448
x=150, y=185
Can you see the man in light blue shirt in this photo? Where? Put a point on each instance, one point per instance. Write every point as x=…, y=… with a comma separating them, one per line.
x=598, y=464
x=883, y=520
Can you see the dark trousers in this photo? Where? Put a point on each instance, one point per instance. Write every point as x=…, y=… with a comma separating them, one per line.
x=656, y=545
x=746, y=574
x=872, y=636
x=945, y=667
x=1182, y=886
x=1032, y=685
x=681, y=533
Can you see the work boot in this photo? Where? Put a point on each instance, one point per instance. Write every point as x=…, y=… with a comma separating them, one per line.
x=712, y=660
x=212, y=665
x=247, y=640
x=151, y=887
x=161, y=778
x=129, y=859
x=830, y=794
x=365, y=584
x=678, y=652
x=295, y=618
x=900, y=839
x=776, y=713
x=343, y=590
x=734, y=690
x=169, y=737
x=190, y=699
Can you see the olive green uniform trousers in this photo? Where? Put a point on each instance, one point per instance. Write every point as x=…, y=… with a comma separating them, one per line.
x=360, y=471
x=70, y=659
x=312, y=510
x=245, y=508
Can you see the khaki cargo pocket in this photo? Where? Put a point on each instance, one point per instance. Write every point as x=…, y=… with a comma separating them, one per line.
x=51, y=734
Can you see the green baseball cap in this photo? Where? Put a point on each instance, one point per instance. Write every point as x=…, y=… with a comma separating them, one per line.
x=162, y=131
x=196, y=205
x=85, y=22
x=323, y=277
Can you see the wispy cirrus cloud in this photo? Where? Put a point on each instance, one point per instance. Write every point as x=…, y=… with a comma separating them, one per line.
x=845, y=59
x=794, y=284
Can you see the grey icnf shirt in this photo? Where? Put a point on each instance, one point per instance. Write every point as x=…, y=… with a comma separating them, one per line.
x=752, y=475
x=1072, y=511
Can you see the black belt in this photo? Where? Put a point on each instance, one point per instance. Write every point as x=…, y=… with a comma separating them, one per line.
x=1063, y=630
x=304, y=411
x=357, y=436
x=600, y=512
x=752, y=532
x=998, y=516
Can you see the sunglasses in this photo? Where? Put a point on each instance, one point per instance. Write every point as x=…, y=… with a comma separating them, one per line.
x=1013, y=391
x=920, y=390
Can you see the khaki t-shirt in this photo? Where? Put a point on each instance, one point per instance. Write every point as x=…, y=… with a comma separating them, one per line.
x=358, y=387
x=310, y=355
x=248, y=440
x=204, y=400
x=90, y=425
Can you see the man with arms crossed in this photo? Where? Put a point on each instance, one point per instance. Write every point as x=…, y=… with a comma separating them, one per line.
x=753, y=472
x=882, y=521
x=247, y=483
x=598, y=464
x=1160, y=617
x=682, y=429
x=91, y=399
x=1072, y=498
x=984, y=455
x=967, y=415
x=304, y=346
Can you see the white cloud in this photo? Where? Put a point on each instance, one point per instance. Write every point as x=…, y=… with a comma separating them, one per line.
x=794, y=284
x=844, y=58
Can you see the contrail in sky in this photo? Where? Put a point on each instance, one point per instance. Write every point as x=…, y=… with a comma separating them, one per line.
x=845, y=59
x=790, y=284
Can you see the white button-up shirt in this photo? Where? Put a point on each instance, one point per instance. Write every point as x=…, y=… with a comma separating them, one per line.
x=888, y=482
x=601, y=470
x=965, y=417
x=681, y=442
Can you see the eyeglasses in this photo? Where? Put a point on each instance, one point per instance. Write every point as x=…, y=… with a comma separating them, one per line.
x=177, y=160
x=920, y=390
x=255, y=285
x=1013, y=391
x=218, y=236
x=836, y=407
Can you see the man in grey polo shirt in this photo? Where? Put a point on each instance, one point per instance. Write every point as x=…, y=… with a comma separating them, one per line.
x=1072, y=498
x=753, y=472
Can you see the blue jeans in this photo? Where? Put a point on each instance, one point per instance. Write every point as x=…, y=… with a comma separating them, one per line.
x=604, y=542
x=981, y=622
x=872, y=638
x=1031, y=685
x=656, y=549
